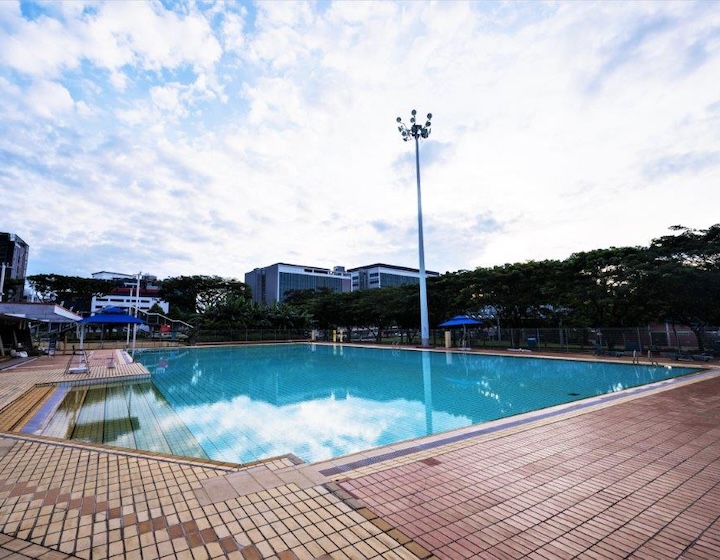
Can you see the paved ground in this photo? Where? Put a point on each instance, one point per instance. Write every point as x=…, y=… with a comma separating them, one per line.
x=632, y=476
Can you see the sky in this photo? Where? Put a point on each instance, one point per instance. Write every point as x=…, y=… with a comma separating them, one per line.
x=211, y=138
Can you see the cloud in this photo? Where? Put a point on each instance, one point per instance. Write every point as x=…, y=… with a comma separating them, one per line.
x=235, y=136
x=49, y=99
x=688, y=163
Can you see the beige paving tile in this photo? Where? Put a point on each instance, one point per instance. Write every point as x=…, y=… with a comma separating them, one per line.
x=243, y=483
x=219, y=489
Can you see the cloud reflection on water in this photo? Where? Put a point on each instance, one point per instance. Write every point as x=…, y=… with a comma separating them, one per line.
x=244, y=429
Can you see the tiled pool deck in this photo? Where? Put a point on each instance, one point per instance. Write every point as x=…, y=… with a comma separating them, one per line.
x=633, y=475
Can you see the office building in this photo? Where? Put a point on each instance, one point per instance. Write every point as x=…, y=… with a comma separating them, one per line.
x=13, y=266
x=272, y=283
x=385, y=275
x=14, y=255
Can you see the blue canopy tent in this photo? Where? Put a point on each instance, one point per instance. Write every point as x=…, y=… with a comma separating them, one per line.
x=108, y=316
x=460, y=321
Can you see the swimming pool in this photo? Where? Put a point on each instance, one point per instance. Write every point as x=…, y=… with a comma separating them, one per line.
x=242, y=404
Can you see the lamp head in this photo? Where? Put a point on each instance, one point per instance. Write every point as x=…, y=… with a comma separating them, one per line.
x=416, y=130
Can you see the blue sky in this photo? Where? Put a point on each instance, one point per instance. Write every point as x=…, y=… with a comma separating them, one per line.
x=179, y=138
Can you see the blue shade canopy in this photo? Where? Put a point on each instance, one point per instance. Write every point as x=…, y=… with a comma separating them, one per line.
x=112, y=315
x=460, y=321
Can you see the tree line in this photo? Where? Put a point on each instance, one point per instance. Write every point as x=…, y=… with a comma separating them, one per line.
x=676, y=278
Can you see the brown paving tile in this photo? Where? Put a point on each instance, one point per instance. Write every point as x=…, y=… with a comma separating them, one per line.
x=158, y=523
x=145, y=527
x=190, y=527
x=251, y=553
x=175, y=531
x=638, y=486
x=209, y=535
x=194, y=540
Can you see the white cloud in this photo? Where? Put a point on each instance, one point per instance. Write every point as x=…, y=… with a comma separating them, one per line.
x=233, y=36
x=167, y=99
x=146, y=34
x=242, y=136
x=49, y=99
x=315, y=430
x=42, y=48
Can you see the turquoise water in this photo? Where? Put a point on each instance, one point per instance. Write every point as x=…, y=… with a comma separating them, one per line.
x=242, y=404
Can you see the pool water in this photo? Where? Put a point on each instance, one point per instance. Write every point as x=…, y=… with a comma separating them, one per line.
x=242, y=404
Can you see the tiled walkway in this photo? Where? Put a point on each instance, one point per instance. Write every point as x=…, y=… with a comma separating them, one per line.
x=637, y=478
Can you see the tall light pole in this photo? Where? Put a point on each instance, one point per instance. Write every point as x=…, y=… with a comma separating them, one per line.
x=417, y=131
x=137, y=309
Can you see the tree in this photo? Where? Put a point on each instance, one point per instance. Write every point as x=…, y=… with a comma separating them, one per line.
x=371, y=309
x=232, y=312
x=189, y=295
x=72, y=292
x=303, y=298
x=285, y=316
x=329, y=309
x=683, y=283
x=522, y=294
x=447, y=295
x=404, y=305
x=602, y=286
x=699, y=248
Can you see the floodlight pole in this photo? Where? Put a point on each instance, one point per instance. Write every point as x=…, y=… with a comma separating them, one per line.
x=135, y=314
x=417, y=131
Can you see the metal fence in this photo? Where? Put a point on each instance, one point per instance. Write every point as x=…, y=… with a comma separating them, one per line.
x=658, y=338
x=205, y=336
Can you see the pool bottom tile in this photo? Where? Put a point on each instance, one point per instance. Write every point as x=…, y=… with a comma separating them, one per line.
x=133, y=416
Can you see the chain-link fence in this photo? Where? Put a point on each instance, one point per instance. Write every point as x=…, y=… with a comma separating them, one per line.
x=657, y=338
x=206, y=336
x=663, y=338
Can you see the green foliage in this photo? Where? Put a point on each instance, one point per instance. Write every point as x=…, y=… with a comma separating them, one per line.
x=70, y=291
x=521, y=294
x=191, y=295
x=156, y=309
x=602, y=286
x=683, y=282
x=237, y=312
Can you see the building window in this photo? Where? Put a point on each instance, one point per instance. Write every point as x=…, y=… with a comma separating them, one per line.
x=289, y=282
x=397, y=280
